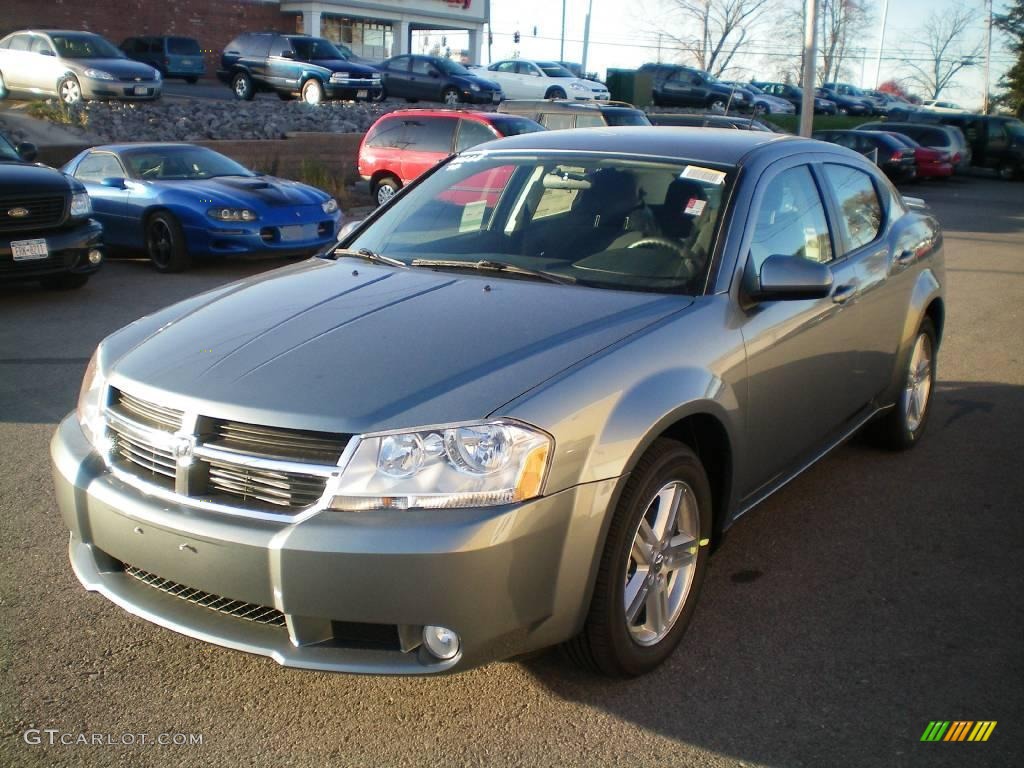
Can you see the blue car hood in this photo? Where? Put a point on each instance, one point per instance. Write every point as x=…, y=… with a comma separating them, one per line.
x=344, y=65
x=248, y=190
x=346, y=346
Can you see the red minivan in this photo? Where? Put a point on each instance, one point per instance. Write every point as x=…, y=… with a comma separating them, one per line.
x=406, y=143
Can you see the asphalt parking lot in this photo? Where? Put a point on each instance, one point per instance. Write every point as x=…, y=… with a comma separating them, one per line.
x=875, y=593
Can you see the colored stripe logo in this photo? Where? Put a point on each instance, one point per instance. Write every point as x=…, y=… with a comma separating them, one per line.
x=958, y=730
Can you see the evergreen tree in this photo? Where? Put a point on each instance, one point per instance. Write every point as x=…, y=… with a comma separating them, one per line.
x=1012, y=25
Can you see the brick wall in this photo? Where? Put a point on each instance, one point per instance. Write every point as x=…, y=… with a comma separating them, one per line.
x=212, y=22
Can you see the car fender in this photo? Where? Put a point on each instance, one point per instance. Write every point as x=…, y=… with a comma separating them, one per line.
x=927, y=288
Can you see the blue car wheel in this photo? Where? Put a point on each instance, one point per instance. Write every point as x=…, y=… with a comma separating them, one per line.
x=165, y=243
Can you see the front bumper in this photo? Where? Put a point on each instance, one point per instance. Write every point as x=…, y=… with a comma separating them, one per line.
x=264, y=236
x=93, y=88
x=507, y=579
x=480, y=97
x=352, y=88
x=68, y=252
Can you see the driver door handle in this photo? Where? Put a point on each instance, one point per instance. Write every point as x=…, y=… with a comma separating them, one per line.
x=844, y=293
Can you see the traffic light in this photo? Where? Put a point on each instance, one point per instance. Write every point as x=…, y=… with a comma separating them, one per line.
x=515, y=37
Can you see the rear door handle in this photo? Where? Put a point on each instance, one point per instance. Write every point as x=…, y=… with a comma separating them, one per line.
x=844, y=293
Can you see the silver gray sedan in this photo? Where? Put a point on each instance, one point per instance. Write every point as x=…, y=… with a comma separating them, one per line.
x=515, y=408
x=72, y=66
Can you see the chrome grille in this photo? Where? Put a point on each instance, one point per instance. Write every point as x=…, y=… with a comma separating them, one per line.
x=260, y=614
x=150, y=414
x=43, y=211
x=156, y=461
x=286, y=490
x=319, y=447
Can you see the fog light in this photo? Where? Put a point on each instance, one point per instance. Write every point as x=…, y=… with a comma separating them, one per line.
x=95, y=257
x=441, y=642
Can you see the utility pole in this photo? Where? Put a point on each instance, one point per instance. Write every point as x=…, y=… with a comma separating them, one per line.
x=586, y=37
x=810, y=59
x=881, y=44
x=988, y=52
x=561, y=51
x=659, y=47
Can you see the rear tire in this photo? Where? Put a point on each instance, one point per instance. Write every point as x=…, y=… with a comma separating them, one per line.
x=381, y=95
x=1007, y=171
x=65, y=282
x=165, y=243
x=717, y=105
x=901, y=427
x=610, y=643
x=242, y=86
x=384, y=188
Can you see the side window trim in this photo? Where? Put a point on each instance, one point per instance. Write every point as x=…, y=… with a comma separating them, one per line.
x=98, y=154
x=834, y=211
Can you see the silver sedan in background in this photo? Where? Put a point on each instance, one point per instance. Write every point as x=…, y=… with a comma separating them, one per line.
x=515, y=408
x=72, y=66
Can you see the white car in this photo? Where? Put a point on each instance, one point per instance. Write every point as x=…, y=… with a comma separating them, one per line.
x=523, y=79
x=947, y=107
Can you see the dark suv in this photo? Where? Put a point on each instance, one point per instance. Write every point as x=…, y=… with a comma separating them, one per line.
x=562, y=113
x=46, y=232
x=173, y=56
x=295, y=65
x=678, y=86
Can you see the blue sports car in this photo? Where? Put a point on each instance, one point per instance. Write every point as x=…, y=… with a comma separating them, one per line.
x=176, y=201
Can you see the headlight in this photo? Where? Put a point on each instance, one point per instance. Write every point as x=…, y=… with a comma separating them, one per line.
x=232, y=214
x=81, y=205
x=156, y=74
x=91, y=400
x=340, y=76
x=474, y=87
x=329, y=206
x=99, y=74
x=577, y=86
x=464, y=465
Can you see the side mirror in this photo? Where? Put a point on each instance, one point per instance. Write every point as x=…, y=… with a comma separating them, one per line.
x=785, y=278
x=46, y=52
x=347, y=229
x=115, y=182
x=27, y=151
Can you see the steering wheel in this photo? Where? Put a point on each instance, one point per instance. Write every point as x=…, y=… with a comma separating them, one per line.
x=151, y=173
x=662, y=242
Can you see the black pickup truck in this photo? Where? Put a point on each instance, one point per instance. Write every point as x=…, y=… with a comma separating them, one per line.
x=46, y=232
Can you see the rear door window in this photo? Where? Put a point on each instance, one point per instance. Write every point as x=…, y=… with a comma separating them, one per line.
x=422, y=67
x=589, y=121
x=182, y=46
x=399, y=64
x=257, y=46
x=557, y=120
x=430, y=134
x=860, y=208
x=387, y=134
x=791, y=220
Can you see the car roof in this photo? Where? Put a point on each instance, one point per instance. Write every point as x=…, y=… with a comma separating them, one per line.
x=723, y=146
x=480, y=117
x=118, y=148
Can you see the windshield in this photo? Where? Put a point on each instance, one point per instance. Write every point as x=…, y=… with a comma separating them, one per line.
x=84, y=46
x=591, y=220
x=1015, y=129
x=182, y=46
x=7, y=151
x=553, y=69
x=315, y=49
x=177, y=163
x=752, y=88
x=513, y=125
x=619, y=117
x=450, y=67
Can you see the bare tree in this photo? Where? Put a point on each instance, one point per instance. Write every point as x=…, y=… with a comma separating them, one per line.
x=711, y=31
x=943, y=36
x=842, y=22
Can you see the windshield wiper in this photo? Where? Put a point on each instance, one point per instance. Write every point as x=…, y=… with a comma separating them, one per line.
x=485, y=265
x=372, y=256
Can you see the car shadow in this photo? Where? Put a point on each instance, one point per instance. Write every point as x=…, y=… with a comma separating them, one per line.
x=873, y=594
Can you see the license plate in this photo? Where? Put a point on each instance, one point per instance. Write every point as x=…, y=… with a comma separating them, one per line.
x=294, y=232
x=186, y=62
x=26, y=250
x=495, y=97
x=362, y=94
x=141, y=90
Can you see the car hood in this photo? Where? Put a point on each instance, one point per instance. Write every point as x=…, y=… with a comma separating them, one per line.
x=344, y=65
x=346, y=346
x=483, y=82
x=31, y=179
x=120, y=68
x=247, y=190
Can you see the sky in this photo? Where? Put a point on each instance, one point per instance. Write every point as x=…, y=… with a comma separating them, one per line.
x=625, y=34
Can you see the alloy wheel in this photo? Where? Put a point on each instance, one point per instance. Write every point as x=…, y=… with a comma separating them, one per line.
x=312, y=93
x=451, y=98
x=661, y=564
x=70, y=92
x=160, y=243
x=918, y=387
x=384, y=193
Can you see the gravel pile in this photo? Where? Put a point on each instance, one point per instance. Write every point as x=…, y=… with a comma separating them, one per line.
x=208, y=119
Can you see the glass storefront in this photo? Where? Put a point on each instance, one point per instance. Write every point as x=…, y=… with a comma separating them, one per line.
x=367, y=38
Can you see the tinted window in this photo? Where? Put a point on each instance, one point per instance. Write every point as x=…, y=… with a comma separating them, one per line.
x=430, y=134
x=422, y=67
x=526, y=68
x=182, y=46
x=177, y=162
x=280, y=45
x=510, y=125
x=400, y=63
x=387, y=134
x=791, y=220
x=39, y=45
x=472, y=133
x=99, y=166
x=589, y=121
x=255, y=45
x=858, y=201
x=557, y=120
x=617, y=117
x=85, y=46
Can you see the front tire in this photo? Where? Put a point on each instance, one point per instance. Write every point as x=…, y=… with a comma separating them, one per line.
x=717, y=105
x=69, y=91
x=450, y=96
x=312, y=92
x=1007, y=171
x=901, y=428
x=555, y=93
x=652, y=567
x=165, y=243
x=243, y=88
x=381, y=95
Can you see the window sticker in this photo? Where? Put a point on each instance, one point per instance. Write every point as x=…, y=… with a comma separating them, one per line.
x=695, y=206
x=473, y=216
x=707, y=175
